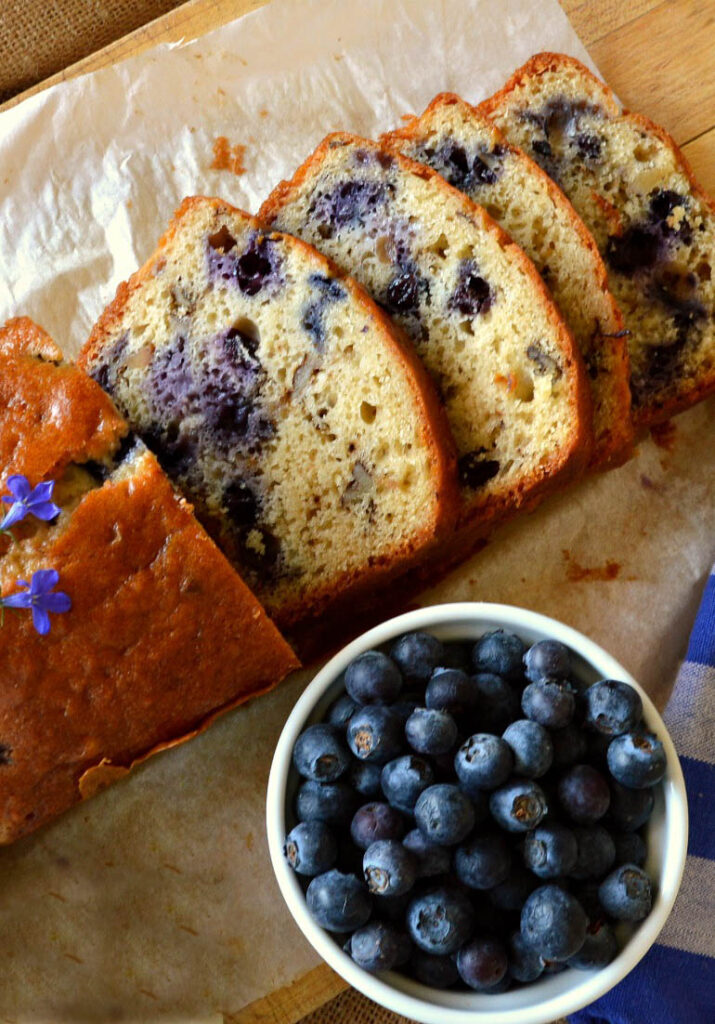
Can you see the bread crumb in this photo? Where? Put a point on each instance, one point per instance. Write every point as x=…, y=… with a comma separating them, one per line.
x=228, y=157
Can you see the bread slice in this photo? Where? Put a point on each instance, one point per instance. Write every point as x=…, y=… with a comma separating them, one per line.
x=283, y=403
x=505, y=364
x=653, y=224
x=161, y=634
x=468, y=151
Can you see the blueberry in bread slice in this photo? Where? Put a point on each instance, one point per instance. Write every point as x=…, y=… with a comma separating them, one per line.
x=479, y=315
x=161, y=633
x=471, y=153
x=283, y=403
x=653, y=223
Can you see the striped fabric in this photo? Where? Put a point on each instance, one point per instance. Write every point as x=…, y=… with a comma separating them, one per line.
x=675, y=981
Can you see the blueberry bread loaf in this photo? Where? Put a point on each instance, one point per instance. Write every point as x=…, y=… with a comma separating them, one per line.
x=160, y=635
x=477, y=311
x=283, y=403
x=654, y=225
x=472, y=154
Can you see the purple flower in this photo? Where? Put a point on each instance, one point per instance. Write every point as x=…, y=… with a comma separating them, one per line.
x=38, y=596
x=28, y=500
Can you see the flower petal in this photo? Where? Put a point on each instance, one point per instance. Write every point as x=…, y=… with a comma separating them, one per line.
x=40, y=620
x=15, y=515
x=19, y=486
x=57, y=602
x=45, y=510
x=21, y=600
x=41, y=493
x=44, y=580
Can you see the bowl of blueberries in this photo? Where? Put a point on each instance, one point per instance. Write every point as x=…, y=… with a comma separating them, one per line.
x=475, y=813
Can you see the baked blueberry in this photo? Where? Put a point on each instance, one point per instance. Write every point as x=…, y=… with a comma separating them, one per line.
x=404, y=779
x=379, y=946
x=310, y=848
x=390, y=869
x=451, y=690
x=548, y=702
x=630, y=808
x=341, y=711
x=365, y=778
x=331, y=802
x=584, y=794
x=518, y=806
x=550, y=850
x=338, y=902
x=483, y=761
x=612, y=707
x=431, y=858
x=630, y=848
x=429, y=731
x=432, y=970
x=483, y=861
x=417, y=655
x=626, y=893
x=553, y=923
x=547, y=659
x=500, y=653
x=482, y=963
x=472, y=294
x=373, y=678
x=440, y=921
x=375, y=821
x=497, y=702
x=596, y=852
x=531, y=747
x=320, y=753
x=525, y=963
x=637, y=759
x=444, y=814
x=599, y=948
x=375, y=734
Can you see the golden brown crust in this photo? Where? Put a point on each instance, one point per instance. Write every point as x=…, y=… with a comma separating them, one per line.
x=162, y=635
x=616, y=445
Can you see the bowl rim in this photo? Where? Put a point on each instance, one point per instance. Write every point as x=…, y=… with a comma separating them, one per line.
x=434, y=1006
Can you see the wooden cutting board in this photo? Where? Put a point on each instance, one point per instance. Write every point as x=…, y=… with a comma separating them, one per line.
x=657, y=56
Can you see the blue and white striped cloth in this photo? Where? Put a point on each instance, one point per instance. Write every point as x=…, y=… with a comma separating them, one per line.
x=675, y=981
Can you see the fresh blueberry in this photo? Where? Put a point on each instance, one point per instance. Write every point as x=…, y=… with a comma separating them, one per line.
x=548, y=702
x=364, y=777
x=341, y=711
x=569, y=745
x=376, y=821
x=404, y=779
x=483, y=862
x=431, y=859
x=331, y=802
x=349, y=855
x=626, y=893
x=373, y=678
x=393, y=908
x=338, y=902
x=630, y=808
x=499, y=653
x=531, y=746
x=525, y=963
x=429, y=731
x=390, y=869
x=512, y=893
x=407, y=703
x=435, y=971
x=630, y=848
x=310, y=848
x=417, y=655
x=518, y=806
x=612, y=707
x=482, y=963
x=596, y=852
x=483, y=762
x=444, y=814
x=379, y=947
x=599, y=948
x=547, y=659
x=497, y=702
x=584, y=794
x=440, y=921
x=550, y=850
x=553, y=922
x=375, y=734
x=320, y=754
x=457, y=654
x=451, y=690
x=637, y=759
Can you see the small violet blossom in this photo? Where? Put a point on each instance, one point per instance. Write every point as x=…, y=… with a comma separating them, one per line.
x=28, y=500
x=39, y=597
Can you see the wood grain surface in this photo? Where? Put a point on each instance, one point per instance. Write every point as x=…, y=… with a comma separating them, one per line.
x=657, y=56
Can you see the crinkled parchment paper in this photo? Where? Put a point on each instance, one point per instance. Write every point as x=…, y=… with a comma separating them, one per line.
x=156, y=901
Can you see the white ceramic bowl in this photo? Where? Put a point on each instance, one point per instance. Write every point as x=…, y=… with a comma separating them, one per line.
x=551, y=996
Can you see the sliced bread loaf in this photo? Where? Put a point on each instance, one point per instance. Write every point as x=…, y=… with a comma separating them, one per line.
x=480, y=317
x=468, y=151
x=654, y=225
x=283, y=403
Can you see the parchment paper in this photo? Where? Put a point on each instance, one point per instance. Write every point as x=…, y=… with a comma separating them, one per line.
x=156, y=901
